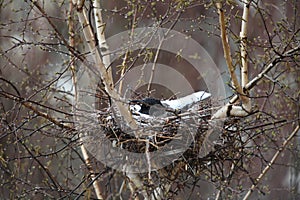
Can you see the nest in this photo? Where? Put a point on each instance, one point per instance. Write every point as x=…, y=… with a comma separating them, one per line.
x=182, y=134
x=158, y=132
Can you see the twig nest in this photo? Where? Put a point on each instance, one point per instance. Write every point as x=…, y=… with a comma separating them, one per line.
x=159, y=127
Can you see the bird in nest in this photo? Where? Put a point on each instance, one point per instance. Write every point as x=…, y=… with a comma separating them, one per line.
x=151, y=107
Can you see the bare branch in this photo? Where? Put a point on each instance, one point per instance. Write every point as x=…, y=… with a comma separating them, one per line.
x=229, y=109
x=154, y=65
x=87, y=161
x=100, y=28
x=85, y=155
x=105, y=75
x=123, y=71
x=36, y=110
x=266, y=169
x=243, y=37
x=227, y=54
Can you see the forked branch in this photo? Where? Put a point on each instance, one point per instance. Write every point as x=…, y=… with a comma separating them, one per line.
x=227, y=53
x=229, y=109
x=106, y=76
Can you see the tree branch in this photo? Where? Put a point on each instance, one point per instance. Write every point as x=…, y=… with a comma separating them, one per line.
x=228, y=109
x=266, y=169
x=105, y=75
x=243, y=37
x=227, y=53
x=100, y=28
x=37, y=111
x=85, y=155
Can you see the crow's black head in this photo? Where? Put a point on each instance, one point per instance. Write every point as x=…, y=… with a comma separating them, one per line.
x=146, y=104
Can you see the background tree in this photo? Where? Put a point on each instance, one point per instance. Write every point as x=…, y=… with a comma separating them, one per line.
x=46, y=48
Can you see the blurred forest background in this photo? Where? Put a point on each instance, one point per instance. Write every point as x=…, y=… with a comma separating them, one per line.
x=40, y=150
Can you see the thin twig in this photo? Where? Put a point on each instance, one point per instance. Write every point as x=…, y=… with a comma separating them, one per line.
x=56, y=30
x=269, y=165
x=123, y=71
x=159, y=49
x=37, y=111
x=154, y=66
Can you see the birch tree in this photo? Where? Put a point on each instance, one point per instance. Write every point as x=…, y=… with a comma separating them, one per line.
x=74, y=72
